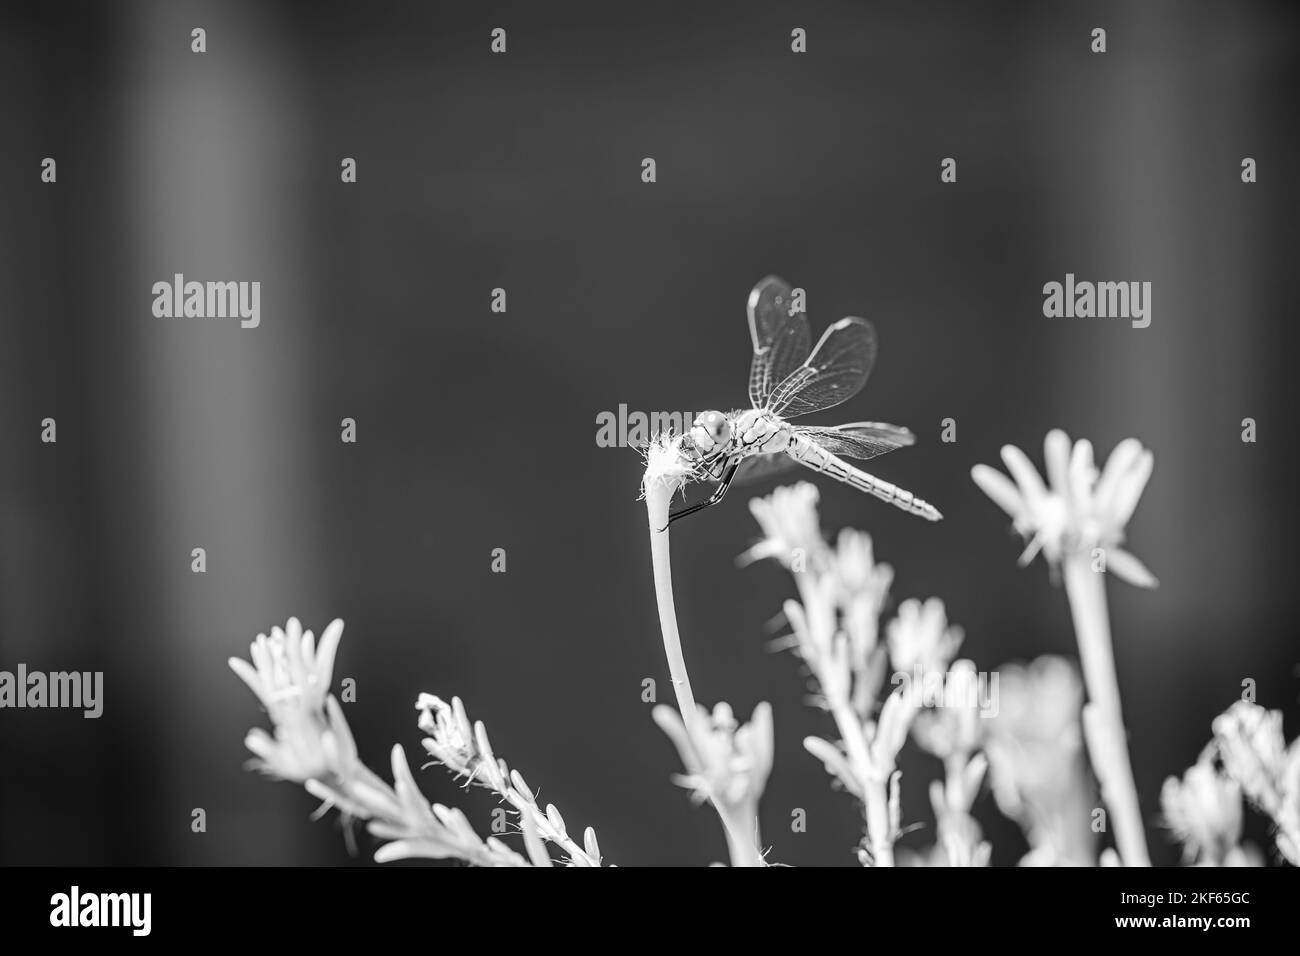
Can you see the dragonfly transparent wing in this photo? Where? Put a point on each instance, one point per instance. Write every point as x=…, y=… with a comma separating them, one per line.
x=781, y=339
x=756, y=468
x=835, y=371
x=862, y=440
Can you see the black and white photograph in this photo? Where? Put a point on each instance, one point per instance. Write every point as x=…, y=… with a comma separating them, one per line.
x=802, y=435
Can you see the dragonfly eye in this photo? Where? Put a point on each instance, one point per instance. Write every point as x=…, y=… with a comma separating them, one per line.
x=716, y=426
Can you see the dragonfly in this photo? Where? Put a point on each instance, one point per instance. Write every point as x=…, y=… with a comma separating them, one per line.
x=788, y=379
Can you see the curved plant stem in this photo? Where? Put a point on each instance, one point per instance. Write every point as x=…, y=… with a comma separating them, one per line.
x=658, y=497
x=1103, y=722
x=741, y=832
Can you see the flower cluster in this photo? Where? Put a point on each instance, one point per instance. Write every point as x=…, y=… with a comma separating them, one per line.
x=835, y=626
x=1203, y=809
x=842, y=592
x=791, y=532
x=1079, y=509
x=922, y=645
x=1248, y=758
x=1255, y=755
x=1077, y=521
x=727, y=764
x=920, y=637
x=953, y=730
x=1037, y=766
x=311, y=744
x=464, y=749
x=291, y=676
x=836, y=630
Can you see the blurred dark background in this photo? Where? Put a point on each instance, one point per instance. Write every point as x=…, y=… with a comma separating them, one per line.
x=477, y=430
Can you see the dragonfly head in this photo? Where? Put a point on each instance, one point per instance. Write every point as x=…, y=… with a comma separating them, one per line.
x=709, y=435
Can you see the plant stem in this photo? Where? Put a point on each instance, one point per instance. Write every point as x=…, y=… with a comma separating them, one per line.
x=875, y=789
x=741, y=845
x=1104, y=725
x=958, y=832
x=875, y=794
x=878, y=825
x=658, y=497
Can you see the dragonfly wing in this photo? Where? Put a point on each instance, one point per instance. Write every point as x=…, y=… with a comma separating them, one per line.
x=758, y=467
x=862, y=440
x=835, y=371
x=781, y=339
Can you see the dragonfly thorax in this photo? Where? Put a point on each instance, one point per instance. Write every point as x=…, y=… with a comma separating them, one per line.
x=757, y=431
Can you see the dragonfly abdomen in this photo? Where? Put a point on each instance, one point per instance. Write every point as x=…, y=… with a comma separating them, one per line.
x=813, y=456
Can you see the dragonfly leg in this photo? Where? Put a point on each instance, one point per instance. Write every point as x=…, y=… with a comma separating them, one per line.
x=723, y=484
